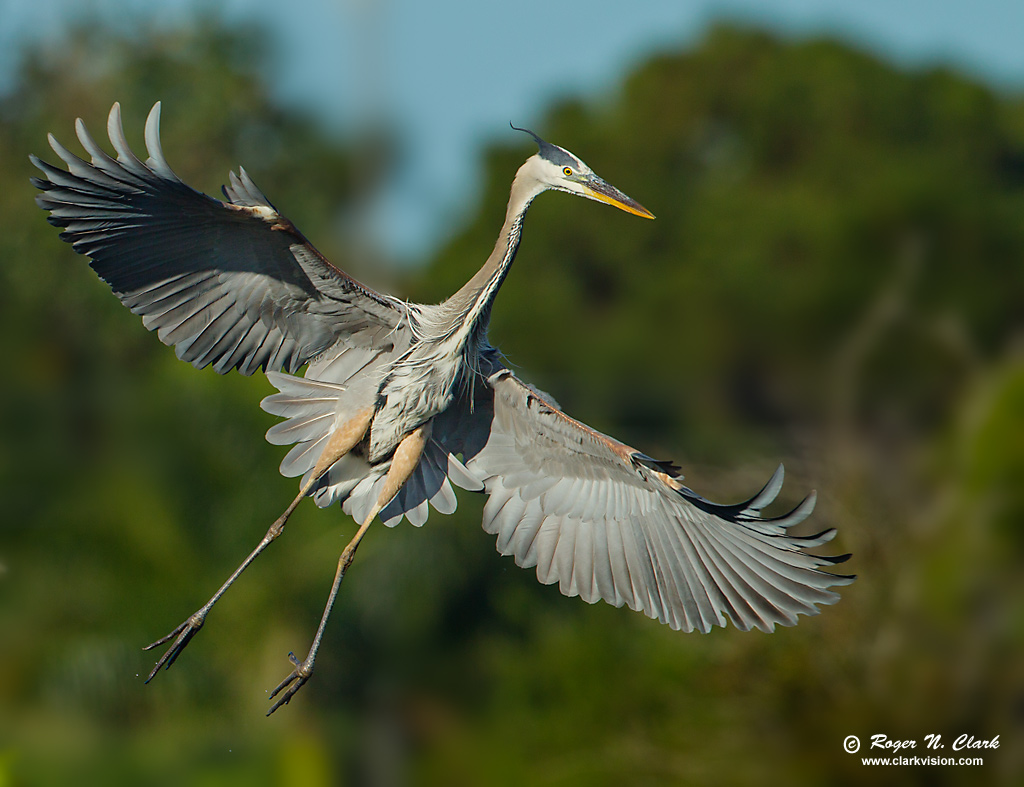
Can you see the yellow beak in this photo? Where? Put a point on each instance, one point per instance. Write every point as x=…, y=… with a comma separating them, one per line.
x=601, y=191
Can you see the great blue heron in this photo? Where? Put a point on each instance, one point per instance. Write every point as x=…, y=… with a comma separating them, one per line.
x=400, y=400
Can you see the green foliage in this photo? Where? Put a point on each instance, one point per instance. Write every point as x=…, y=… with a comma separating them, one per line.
x=834, y=279
x=789, y=183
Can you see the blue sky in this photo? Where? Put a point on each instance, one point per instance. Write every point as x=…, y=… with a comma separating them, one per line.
x=450, y=75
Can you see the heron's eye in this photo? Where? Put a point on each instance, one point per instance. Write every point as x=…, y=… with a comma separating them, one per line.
x=567, y=171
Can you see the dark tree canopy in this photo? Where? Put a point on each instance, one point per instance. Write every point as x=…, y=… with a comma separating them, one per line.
x=835, y=279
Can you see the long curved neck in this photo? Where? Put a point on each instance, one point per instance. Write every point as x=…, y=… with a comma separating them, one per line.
x=471, y=305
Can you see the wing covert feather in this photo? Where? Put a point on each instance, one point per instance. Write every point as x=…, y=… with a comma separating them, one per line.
x=606, y=522
x=229, y=284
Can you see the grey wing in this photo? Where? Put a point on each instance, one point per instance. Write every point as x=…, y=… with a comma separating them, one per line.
x=607, y=522
x=232, y=284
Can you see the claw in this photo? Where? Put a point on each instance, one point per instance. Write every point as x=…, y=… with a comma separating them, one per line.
x=295, y=681
x=183, y=635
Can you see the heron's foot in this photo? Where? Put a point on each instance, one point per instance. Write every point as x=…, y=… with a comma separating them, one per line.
x=295, y=681
x=182, y=635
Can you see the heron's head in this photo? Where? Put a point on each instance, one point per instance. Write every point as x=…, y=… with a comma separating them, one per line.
x=556, y=168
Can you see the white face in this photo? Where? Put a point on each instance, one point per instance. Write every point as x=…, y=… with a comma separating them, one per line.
x=568, y=176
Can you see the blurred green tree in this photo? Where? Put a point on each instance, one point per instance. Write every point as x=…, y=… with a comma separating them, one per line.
x=834, y=279
x=129, y=479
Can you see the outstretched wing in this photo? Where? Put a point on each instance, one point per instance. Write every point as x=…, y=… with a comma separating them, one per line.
x=605, y=521
x=232, y=284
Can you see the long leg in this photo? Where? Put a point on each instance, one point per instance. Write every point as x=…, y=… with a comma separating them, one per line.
x=343, y=440
x=405, y=459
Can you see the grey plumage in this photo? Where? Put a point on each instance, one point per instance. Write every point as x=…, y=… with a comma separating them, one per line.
x=234, y=285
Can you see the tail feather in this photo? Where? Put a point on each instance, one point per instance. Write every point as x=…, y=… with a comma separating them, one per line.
x=312, y=409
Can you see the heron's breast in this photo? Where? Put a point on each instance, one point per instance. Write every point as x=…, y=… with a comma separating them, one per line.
x=418, y=387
